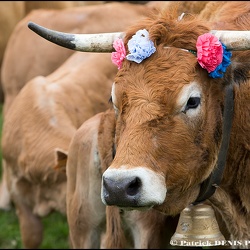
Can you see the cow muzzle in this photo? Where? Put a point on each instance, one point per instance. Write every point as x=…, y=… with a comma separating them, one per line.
x=135, y=188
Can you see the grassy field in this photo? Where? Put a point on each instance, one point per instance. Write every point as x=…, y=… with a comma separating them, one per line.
x=55, y=226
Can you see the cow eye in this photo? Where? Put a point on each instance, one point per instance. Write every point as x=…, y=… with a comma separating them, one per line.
x=193, y=102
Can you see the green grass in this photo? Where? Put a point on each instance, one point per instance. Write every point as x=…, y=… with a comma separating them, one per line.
x=55, y=231
x=9, y=232
x=55, y=226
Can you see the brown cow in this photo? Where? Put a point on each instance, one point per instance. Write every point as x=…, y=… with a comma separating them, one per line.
x=173, y=130
x=11, y=12
x=90, y=152
x=41, y=122
x=173, y=116
x=38, y=57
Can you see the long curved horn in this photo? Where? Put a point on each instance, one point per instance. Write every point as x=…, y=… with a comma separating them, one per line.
x=102, y=42
x=234, y=40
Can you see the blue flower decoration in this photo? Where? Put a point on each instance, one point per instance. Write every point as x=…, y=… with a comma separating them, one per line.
x=140, y=47
x=218, y=72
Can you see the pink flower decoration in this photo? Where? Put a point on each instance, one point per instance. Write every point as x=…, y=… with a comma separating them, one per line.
x=118, y=56
x=209, y=51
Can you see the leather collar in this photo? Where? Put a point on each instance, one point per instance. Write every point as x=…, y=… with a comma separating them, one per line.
x=209, y=186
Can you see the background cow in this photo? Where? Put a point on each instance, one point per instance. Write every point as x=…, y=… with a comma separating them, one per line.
x=38, y=57
x=41, y=120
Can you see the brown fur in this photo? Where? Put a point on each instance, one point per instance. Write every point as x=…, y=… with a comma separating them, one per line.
x=11, y=12
x=188, y=7
x=39, y=57
x=220, y=14
x=33, y=5
x=187, y=148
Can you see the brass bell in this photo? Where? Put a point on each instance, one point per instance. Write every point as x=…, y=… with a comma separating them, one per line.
x=197, y=227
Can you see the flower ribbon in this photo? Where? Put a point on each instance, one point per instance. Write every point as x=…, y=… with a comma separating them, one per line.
x=118, y=56
x=139, y=46
x=212, y=55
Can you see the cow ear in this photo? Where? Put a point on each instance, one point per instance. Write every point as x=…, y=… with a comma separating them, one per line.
x=61, y=157
x=240, y=68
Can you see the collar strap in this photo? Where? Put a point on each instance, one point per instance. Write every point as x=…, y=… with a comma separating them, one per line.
x=209, y=186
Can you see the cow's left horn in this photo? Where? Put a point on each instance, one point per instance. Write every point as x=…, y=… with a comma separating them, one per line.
x=234, y=40
x=102, y=42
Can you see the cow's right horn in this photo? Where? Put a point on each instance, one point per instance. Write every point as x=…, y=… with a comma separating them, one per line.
x=102, y=42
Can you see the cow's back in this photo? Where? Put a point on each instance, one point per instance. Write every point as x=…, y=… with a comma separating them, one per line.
x=39, y=57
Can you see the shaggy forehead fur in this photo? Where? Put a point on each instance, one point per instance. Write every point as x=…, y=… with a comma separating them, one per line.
x=147, y=102
x=165, y=28
x=173, y=66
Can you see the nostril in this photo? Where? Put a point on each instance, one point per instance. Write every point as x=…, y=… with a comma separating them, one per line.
x=134, y=186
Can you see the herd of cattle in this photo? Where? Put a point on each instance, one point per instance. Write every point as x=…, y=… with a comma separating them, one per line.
x=123, y=151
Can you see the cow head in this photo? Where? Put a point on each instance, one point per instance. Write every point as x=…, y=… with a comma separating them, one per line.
x=169, y=116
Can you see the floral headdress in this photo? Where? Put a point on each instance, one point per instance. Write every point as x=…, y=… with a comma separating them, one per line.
x=212, y=55
x=139, y=46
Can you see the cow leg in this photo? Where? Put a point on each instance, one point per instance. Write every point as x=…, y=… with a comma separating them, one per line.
x=31, y=227
x=86, y=225
x=5, y=201
x=85, y=211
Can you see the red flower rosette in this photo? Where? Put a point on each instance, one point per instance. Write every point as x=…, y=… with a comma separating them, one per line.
x=209, y=52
